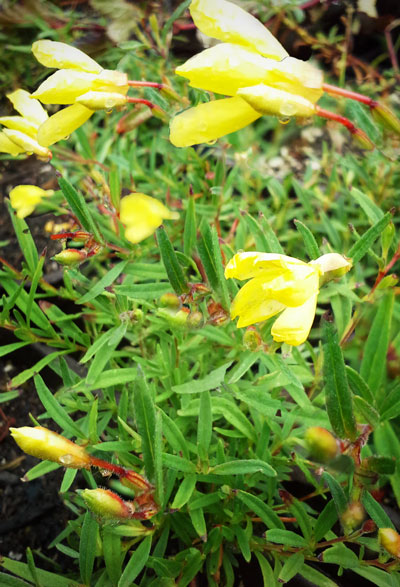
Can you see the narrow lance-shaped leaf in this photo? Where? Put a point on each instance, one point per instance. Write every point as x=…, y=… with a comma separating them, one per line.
x=338, y=396
x=171, y=263
x=79, y=207
x=309, y=240
x=146, y=422
x=361, y=247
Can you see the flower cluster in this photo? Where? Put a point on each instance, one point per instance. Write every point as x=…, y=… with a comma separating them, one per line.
x=281, y=285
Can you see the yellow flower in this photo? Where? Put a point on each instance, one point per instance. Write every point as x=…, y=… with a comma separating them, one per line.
x=142, y=215
x=20, y=134
x=281, y=284
x=77, y=75
x=251, y=66
x=48, y=445
x=25, y=198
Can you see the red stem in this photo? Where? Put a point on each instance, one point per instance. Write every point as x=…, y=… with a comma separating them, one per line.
x=140, y=101
x=334, y=90
x=122, y=473
x=336, y=117
x=144, y=84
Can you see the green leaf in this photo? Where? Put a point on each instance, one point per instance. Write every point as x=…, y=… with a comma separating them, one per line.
x=365, y=412
x=274, y=245
x=338, y=396
x=146, y=422
x=185, y=491
x=362, y=246
x=244, y=467
x=87, y=547
x=204, y=426
x=136, y=563
x=199, y=523
x=286, y=537
x=243, y=543
x=36, y=368
x=261, y=509
x=112, y=551
x=310, y=243
x=110, y=340
x=326, y=519
x=10, y=348
x=143, y=291
x=337, y=493
x=174, y=435
x=340, y=555
x=171, y=263
x=266, y=570
x=372, y=211
x=80, y=208
x=316, y=578
x=189, y=233
x=25, y=240
x=178, y=463
x=107, y=280
x=377, y=577
x=45, y=577
x=373, y=365
x=210, y=381
x=206, y=251
x=193, y=562
x=55, y=410
x=376, y=511
x=358, y=385
x=291, y=567
x=8, y=581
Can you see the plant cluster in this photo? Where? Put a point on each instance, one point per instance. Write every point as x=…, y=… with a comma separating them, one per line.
x=199, y=378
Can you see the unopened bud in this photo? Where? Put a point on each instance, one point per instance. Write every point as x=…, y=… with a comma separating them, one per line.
x=70, y=257
x=195, y=319
x=353, y=517
x=101, y=100
x=321, y=443
x=158, y=112
x=390, y=540
x=387, y=236
x=176, y=319
x=388, y=281
x=48, y=445
x=170, y=300
x=252, y=339
x=332, y=266
x=385, y=116
x=362, y=139
x=169, y=92
x=133, y=480
x=107, y=504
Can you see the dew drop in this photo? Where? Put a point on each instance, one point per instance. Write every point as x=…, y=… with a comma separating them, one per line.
x=211, y=142
x=109, y=110
x=66, y=459
x=284, y=119
x=287, y=109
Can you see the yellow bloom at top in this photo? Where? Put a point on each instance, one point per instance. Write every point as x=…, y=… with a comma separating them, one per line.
x=78, y=78
x=25, y=198
x=142, y=215
x=281, y=284
x=251, y=66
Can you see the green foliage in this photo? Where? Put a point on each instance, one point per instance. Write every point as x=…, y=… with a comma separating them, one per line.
x=156, y=378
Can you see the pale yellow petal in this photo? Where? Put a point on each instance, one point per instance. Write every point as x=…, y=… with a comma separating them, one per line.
x=8, y=146
x=252, y=264
x=64, y=86
x=294, y=324
x=296, y=77
x=19, y=123
x=62, y=124
x=61, y=55
x=268, y=100
x=210, y=121
x=228, y=22
x=111, y=80
x=28, y=107
x=101, y=100
x=27, y=143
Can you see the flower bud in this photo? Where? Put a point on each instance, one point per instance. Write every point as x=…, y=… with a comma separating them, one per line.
x=158, y=112
x=252, y=339
x=170, y=300
x=352, y=517
x=70, y=257
x=48, y=445
x=101, y=100
x=362, y=139
x=195, y=319
x=385, y=116
x=332, y=266
x=321, y=443
x=387, y=236
x=107, y=504
x=177, y=319
x=390, y=540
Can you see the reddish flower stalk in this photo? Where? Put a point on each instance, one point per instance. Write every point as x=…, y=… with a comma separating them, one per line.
x=335, y=91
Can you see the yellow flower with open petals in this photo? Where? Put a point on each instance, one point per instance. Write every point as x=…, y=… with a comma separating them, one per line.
x=77, y=75
x=142, y=215
x=251, y=66
x=20, y=134
x=281, y=284
x=25, y=198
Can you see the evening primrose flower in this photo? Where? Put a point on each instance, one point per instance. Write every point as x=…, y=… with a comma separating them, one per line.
x=21, y=132
x=79, y=78
x=48, y=445
x=142, y=215
x=25, y=198
x=281, y=285
x=251, y=66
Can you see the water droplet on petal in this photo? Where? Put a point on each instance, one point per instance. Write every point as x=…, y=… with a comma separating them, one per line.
x=211, y=142
x=287, y=109
x=66, y=459
x=284, y=120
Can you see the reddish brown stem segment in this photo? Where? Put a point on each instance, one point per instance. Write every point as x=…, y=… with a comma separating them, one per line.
x=122, y=473
x=140, y=101
x=335, y=91
x=336, y=117
x=144, y=84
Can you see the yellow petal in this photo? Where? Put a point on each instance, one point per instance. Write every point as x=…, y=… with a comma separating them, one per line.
x=62, y=124
x=296, y=77
x=111, y=80
x=142, y=214
x=28, y=107
x=25, y=198
x=294, y=324
x=251, y=305
x=61, y=55
x=270, y=265
x=101, y=100
x=27, y=143
x=210, y=121
x=45, y=444
x=225, y=68
x=230, y=23
x=268, y=100
x=64, y=86
x=19, y=123
x=8, y=146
